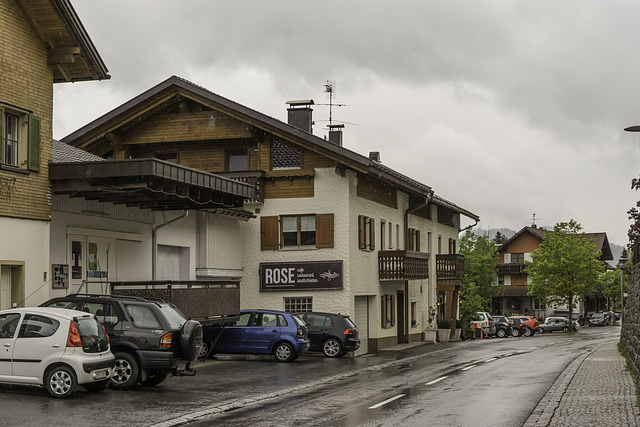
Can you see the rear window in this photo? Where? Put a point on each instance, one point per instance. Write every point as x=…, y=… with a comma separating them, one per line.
x=349, y=323
x=298, y=320
x=174, y=317
x=92, y=335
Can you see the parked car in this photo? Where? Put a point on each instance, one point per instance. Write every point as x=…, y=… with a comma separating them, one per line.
x=552, y=324
x=485, y=323
x=531, y=322
x=282, y=334
x=599, y=319
x=150, y=338
x=56, y=349
x=518, y=327
x=332, y=334
x=577, y=317
x=503, y=326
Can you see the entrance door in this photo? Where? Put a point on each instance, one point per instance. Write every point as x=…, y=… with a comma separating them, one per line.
x=361, y=319
x=400, y=321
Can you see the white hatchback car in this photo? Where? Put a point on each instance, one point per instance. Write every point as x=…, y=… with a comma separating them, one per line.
x=56, y=348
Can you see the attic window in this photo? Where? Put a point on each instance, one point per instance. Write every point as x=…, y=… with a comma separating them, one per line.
x=285, y=157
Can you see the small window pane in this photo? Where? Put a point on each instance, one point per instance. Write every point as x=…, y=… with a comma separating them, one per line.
x=308, y=230
x=290, y=231
x=237, y=160
x=143, y=317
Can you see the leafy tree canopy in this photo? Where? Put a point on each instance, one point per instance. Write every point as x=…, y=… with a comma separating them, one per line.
x=565, y=266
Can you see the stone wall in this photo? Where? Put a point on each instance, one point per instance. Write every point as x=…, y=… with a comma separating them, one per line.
x=630, y=337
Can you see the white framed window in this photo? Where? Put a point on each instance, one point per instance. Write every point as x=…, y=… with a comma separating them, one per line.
x=19, y=138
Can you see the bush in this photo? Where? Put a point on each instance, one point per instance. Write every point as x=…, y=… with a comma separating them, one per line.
x=459, y=324
x=444, y=324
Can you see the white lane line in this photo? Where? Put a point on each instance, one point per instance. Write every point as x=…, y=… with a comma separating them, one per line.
x=490, y=360
x=506, y=355
x=532, y=348
x=468, y=367
x=437, y=380
x=386, y=401
x=521, y=351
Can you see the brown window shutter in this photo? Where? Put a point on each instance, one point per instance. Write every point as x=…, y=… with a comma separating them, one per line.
x=410, y=239
x=324, y=230
x=269, y=233
x=362, y=237
x=372, y=234
x=418, y=240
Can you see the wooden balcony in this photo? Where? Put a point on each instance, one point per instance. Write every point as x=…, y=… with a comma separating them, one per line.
x=403, y=265
x=255, y=178
x=449, y=266
x=508, y=269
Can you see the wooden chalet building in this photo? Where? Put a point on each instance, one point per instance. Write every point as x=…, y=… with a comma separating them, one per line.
x=334, y=231
x=42, y=43
x=511, y=274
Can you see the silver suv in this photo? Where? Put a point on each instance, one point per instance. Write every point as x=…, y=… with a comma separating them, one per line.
x=57, y=349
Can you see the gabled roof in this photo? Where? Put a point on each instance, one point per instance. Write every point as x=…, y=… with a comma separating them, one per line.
x=65, y=153
x=176, y=86
x=70, y=52
x=599, y=239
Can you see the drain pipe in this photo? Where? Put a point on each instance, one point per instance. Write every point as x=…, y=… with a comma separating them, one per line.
x=154, y=238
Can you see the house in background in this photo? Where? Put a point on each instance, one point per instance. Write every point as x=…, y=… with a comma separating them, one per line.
x=42, y=43
x=511, y=274
x=335, y=230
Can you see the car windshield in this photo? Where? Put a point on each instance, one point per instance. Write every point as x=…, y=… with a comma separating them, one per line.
x=173, y=315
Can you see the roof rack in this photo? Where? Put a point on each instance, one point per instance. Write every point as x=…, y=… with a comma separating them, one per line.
x=127, y=297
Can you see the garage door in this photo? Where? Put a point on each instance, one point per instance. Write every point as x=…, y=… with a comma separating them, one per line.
x=361, y=319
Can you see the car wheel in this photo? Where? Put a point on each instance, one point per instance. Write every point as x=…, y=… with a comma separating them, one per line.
x=516, y=333
x=204, y=349
x=126, y=372
x=190, y=340
x=283, y=352
x=565, y=329
x=541, y=330
x=528, y=332
x=332, y=347
x=96, y=387
x=61, y=381
x=155, y=378
x=501, y=333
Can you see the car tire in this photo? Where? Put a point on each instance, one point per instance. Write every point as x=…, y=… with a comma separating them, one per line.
x=528, y=332
x=126, y=372
x=154, y=378
x=501, y=333
x=515, y=333
x=204, y=349
x=283, y=352
x=61, y=381
x=541, y=330
x=96, y=387
x=565, y=329
x=332, y=347
x=190, y=340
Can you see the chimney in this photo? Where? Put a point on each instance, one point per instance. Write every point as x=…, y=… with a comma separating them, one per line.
x=300, y=114
x=375, y=156
x=335, y=134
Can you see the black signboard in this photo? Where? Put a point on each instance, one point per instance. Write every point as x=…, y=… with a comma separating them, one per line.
x=294, y=276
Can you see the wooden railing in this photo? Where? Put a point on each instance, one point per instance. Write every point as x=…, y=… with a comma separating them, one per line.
x=403, y=265
x=255, y=178
x=507, y=269
x=449, y=266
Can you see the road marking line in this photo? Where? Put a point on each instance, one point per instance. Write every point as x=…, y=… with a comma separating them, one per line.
x=468, y=367
x=521, y=351
x=506, y=355
x=532, y=348
x=436, y=381
x=386, y=401
x=490, y=360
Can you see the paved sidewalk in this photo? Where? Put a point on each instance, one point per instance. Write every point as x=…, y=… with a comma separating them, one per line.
x=595, y=389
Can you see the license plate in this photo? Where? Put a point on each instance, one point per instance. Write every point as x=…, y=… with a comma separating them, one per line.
x=101, y=375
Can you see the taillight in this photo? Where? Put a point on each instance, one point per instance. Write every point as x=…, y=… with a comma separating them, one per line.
x=299, y=333
x=349, y=331
x=73, y=339
x=105, y=332
x=165, y=340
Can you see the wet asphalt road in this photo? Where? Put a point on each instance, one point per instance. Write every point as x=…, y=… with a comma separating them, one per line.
x=495, y=382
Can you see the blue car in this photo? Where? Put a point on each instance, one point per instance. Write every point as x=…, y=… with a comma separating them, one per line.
x=284, y=335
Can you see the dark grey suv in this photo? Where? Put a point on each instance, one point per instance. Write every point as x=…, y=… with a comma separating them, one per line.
x=332, y=334
x=150, y=338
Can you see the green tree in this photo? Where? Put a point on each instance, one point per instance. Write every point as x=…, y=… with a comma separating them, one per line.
x=611, y=285
x=500, y=238
x=478, y=283
x=565, y=266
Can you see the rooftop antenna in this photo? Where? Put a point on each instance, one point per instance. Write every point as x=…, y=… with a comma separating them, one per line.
x=330, y=88
x=534, y=221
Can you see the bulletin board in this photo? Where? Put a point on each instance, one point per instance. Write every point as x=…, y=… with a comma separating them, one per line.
x=60, y=276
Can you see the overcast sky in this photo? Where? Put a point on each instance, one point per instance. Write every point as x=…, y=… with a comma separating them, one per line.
x=506, y=108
